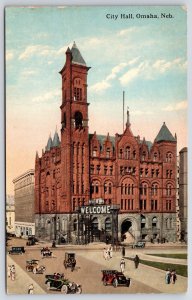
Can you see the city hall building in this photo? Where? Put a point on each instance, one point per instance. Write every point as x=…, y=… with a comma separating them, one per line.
x=91, y=187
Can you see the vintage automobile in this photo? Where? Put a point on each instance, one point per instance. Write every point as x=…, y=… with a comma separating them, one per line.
x=69, y=261
x=139, y=245
x=33, y=266
x=115, y=278
x=46, y=252
x=17, y=250
x=59, y=282
x=31, y=240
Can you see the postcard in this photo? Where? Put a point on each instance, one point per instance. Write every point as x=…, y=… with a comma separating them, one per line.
x=96, y=149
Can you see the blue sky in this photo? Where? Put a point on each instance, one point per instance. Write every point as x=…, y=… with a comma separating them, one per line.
x=144, y=57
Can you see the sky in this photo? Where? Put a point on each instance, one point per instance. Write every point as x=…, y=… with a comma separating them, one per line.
x=145, y=57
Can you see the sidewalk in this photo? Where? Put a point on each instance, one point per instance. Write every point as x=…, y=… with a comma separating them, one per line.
x=149, y=276
x=21, y=282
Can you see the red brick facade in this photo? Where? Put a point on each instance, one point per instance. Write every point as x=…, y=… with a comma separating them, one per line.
x=138, y=175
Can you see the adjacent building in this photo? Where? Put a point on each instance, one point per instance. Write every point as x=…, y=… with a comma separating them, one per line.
x=24, y=204
x=82, y=180
x=10, y=214
x=183, y=192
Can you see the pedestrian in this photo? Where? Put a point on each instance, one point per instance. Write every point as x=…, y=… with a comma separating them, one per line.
x=173, y=276
x=122, y=265
x=123, y=251
x=9, y=271
x=12, y=272
x=31, y=289
x=167, y=276
x=136, y=261
x=104, y=254
x=110, y=252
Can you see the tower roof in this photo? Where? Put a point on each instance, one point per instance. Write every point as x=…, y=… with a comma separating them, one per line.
x=56, y=141
x=49, y=144
x=164, y=135
x=76, y=56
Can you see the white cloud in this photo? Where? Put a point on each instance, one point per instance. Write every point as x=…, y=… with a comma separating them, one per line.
x=182, y=105
x=47, y=96
x=151, y=70
x=9, y=55
x=131, y=74
x=40, y=50
x=100, y=86
x=127, y=31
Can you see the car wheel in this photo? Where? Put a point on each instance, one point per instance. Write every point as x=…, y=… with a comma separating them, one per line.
x=34, y=271
x=64, y=289
x=79, y=290
x=115, y=283
x=128, y=282
x=104, y=282
x=48, y=285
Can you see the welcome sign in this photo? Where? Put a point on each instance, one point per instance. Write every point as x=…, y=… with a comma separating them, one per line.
x=103, y=209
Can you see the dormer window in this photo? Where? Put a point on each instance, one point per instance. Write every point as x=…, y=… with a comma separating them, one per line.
x=94, y=151
x=108, y=153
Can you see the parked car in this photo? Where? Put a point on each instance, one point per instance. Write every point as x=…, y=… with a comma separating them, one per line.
x=31, y=240
x=17, y=250
x=139, y=245
x=33, y=266
x=115, y=278
x=70, y=261
x=59, y=282
x=46, y=252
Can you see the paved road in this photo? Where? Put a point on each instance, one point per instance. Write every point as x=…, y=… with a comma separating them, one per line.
x=90, y=262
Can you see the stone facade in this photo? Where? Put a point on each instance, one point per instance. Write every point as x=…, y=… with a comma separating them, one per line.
x=24, y=203
x=137, y=175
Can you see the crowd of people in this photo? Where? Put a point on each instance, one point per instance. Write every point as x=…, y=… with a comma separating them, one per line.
x=11, y=272
x=108, y=253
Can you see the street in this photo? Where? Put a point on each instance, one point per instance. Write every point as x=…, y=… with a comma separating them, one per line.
x=88, y=273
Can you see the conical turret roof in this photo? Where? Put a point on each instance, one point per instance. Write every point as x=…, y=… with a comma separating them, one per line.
x=76, y=56
x=49, y=144
x=164, y=135
x=56, y=141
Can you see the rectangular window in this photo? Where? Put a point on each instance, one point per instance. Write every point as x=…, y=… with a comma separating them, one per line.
x=111, y=170
x=125, y=204
x=121, y=203
x=105, y=170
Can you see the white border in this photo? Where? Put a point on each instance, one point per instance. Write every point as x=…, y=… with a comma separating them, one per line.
x=4, y=3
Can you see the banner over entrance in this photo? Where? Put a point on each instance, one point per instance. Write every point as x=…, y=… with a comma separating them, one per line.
x=102, y=209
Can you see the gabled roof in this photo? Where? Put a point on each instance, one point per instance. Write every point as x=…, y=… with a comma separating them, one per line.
x=76, y=56
x=102, y=138
x=164, y=135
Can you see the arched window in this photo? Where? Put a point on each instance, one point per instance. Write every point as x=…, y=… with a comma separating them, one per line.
x=121, y=153
x=107, y=224
x=78, y=120
x=154, y=222
x=110, y=188
x=127, y=152
x=95, y=224
x=155, y=156
x=169, y=157
x=143, y=156
x=108, y=152
x=168, y=190
x=143, y=221
x=134, y=154
x=75, y=225
x=122, y=189
x=94, y=151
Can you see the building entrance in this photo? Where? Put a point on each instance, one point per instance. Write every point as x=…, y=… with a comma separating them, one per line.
x=127, y=232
